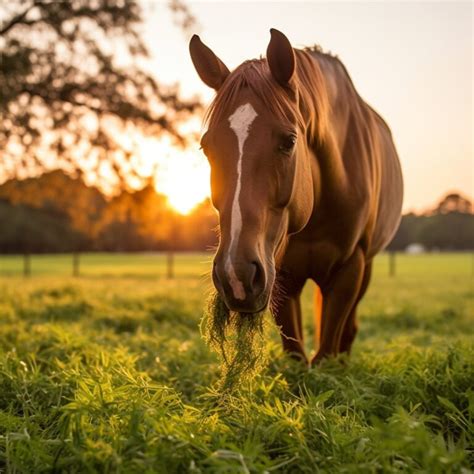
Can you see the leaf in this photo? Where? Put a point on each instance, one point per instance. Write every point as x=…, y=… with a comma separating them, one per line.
x=322, y=398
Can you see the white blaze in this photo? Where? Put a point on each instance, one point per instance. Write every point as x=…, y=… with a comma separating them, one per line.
x=240, y=122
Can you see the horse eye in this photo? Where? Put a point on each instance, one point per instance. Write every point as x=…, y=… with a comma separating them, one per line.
x=287, y=143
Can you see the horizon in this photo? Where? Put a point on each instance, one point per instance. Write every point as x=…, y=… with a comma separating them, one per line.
x=108, y=196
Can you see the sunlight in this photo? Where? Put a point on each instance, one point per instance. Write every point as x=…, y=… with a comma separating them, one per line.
x=184, y=179
x=181, y=175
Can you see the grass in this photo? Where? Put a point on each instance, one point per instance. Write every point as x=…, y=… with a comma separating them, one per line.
x=237, y=338
x=108, y=373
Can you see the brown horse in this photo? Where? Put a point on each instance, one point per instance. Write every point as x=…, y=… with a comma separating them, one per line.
x=307, y=183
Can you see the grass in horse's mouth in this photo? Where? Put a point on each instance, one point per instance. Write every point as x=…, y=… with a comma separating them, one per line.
x=238, y=339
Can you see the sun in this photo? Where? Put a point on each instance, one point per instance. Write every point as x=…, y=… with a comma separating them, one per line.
x=181, y=175
x=184, y=179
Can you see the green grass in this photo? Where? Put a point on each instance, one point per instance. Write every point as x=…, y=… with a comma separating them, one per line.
x=108, y=373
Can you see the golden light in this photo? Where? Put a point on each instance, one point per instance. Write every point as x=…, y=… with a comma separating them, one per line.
x=181, y=175
x=184, y=179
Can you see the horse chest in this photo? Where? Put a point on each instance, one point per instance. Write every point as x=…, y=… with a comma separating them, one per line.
x=314, y=258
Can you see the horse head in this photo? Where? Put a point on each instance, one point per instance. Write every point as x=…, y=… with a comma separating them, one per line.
x=261, y=180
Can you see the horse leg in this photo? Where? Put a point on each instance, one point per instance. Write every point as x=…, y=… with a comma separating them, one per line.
x=339, y=298
x=287, y=313
x=350, y=328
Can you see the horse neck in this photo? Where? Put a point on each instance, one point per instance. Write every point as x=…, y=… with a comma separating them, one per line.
x=327, y=105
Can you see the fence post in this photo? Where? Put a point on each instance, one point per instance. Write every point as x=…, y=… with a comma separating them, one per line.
x=170, y=264
x=26, y=265
x=75, y=264
x=391, y=260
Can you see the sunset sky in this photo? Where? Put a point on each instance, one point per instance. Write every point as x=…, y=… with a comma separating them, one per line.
x=411, y=61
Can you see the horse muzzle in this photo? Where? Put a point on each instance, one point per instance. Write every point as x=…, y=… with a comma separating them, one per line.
x=243, y=284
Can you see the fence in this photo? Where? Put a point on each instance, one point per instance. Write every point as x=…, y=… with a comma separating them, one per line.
x=153, y=265
x=195, y=265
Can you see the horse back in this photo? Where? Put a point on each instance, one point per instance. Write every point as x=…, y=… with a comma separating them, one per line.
x=358, y=185
x=364, y=208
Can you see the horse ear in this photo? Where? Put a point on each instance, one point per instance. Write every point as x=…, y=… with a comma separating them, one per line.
x=210, y=68
x=280, y=57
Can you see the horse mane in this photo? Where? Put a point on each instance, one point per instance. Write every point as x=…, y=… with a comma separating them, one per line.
x=313, y=102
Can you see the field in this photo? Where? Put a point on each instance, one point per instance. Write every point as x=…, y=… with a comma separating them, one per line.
x=108, y=373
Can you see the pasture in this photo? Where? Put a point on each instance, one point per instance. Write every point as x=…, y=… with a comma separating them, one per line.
x=108, y=373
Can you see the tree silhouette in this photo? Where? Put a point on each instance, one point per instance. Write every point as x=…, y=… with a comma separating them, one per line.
x=53, y=212
x=448, y=226
x=137, y=220
x=72, y=81
x=454, y=202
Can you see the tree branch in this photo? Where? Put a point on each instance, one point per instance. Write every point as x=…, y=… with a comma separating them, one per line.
x=18, y=19
x=162, y=122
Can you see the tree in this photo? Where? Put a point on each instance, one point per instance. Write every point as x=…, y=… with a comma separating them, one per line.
x=454, y=202
x=59, y=213
x=449, y=226
x=449, y=231
x=72, y=80
x=28, y=229
x=58, y=194
x=137, y=220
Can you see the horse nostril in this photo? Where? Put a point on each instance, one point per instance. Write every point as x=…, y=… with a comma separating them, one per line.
x=257, y=277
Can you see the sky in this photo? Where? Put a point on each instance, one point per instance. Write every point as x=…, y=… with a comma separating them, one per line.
x=413, y=62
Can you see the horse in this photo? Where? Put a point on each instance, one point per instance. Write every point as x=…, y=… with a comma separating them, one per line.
x=307, y=184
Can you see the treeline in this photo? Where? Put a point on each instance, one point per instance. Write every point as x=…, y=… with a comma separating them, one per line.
x=59, y=213
x=449, y=226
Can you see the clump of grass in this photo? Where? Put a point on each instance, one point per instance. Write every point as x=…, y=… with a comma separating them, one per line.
x=238, y=339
